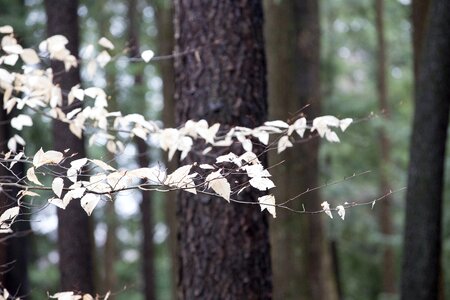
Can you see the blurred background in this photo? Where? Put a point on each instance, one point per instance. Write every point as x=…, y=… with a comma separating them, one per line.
x=357, y=61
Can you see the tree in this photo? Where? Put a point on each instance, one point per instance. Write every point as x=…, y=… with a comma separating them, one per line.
x=422, y=237
x=302, y=268
x=144, y=161
x=224, y=249
x=75, y=240
x=385, y=219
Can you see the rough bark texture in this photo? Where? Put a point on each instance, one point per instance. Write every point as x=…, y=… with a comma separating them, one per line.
x=422, y=239
x=144, y=161
x=74, y=229
x=224, y=248
x=420, y=9
x=385, y=219
x=301, y=255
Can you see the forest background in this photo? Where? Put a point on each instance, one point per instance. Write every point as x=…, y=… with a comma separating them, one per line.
x=357, y=62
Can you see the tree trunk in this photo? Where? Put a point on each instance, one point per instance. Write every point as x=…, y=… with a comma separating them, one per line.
x=422, y=239
x=143, y=160
x=165, y=45
x=75, y=239
x=302, y=258
x=224, y=248
x=385, y=219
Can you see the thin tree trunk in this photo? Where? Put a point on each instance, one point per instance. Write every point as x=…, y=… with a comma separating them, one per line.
x=165, y=45
x=224, y=248
x=302, y=258
x=422, y=239
x=143, y=160
x=385, y=219
x=75, y=236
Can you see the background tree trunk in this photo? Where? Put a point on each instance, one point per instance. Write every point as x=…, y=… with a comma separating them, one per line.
x=144, y=161
x=165, y=45
x=385, y=219
x=422, y=238
x=300, y=251
x=224, y=248
x=75, y=236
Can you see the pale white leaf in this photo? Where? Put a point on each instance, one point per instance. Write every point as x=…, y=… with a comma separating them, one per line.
x=219, y=184
x=6, y=29
x=147, y=55
x=10, y=59
x=89, y=202
x=103, y=59
x=20, y=121
x=326, y=208
x=16, y=158
x=278, y=123
x=230, y=157
x=91, y=68
x=9, y=215
x=262, y=136
x=261, y=183
x=72, y=174
x=206, y=167
x=268, y=202
x=102, y=165
x=299, y=126
x=57, y=202
x=76, y=130
x=283, y=143
x=178, y=175
x=154, y=175
x=30, y=57
x=57, y=186
x=32, y=176
x=49, y=157
x=256, y=170
x=341, y=211
x=104, y=42
x=247, y=145
x=73, y=112
x=248, y=157
x=344, y=123
x=331, y=136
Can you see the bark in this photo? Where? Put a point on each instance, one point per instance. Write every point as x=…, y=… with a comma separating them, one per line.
x=143, y=160
x=224, y=248
x=75, y=236
x=422, y=238
x=301, y=256
x=385, y=219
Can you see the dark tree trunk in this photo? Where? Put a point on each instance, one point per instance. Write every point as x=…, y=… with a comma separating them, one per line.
x=302, y=260
x=224, y=248
x=14, y=247
x=143, y=160
x=422, y=239
x=74, y=226
x=385, y=219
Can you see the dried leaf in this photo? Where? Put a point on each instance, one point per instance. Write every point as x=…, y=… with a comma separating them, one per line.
x=147, y=55
x=262, y=183
x=32, y=176
x=219, y=184
x=57, y=186
x=326, y=208
x=89, y=202
x=268, y=202
x=104, y=42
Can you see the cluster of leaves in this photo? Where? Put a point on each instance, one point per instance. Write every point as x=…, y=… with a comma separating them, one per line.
x=91, y=180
